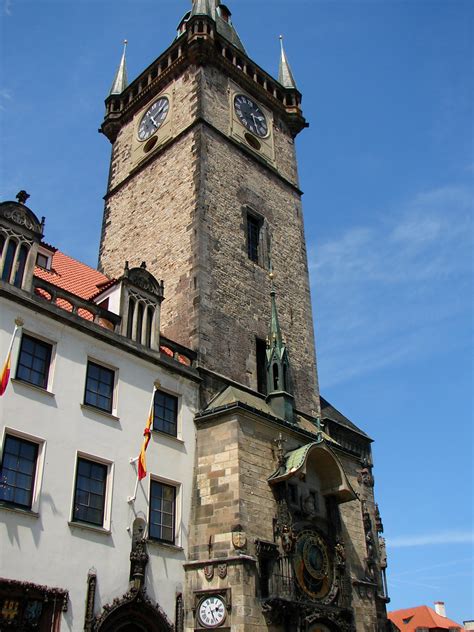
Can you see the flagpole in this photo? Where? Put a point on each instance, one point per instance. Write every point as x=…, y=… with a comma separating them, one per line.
x=133, y=460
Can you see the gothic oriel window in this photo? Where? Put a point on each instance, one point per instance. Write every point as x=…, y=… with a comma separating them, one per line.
x=34, y=361
x=20, y=266
x=18, y=472
x=162, y=512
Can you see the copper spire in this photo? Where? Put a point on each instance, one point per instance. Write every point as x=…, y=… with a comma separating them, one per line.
x=285, y=76
x=120, y=80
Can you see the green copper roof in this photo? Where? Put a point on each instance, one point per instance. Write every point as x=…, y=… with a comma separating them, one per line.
x=120, y=80
x=217, y=11
x=285, y=76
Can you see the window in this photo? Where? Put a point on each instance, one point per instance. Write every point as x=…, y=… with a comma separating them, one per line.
x=99, y=387
x=20, y=266
x=34, y=361
x=253, y=237
x=261, y=354
x=9, y=259
x=89, y=492
x=165, y=413
x=42, y=261
x=162, y=512
x=18, y=472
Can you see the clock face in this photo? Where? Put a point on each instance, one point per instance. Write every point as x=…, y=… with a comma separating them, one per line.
x=313, y=568
x=211, y=612
x=250, y=115
x=153, y=118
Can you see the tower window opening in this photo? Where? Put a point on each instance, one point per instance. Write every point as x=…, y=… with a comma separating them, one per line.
x=261, y=353
x=253, y=238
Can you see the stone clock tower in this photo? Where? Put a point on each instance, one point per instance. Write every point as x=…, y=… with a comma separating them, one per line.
x=203, y=186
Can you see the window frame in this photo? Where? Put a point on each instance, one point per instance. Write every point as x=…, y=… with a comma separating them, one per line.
x=252, y=219
x=113, y=393
x=38, y=474
x=176, y=486
x=177, y=401
x=49, y=374
x=108, y=489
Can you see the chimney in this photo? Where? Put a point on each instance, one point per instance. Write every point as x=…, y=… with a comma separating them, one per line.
x=440, y=608
x=469, y=625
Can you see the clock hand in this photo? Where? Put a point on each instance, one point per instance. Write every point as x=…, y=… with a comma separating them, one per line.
x=153, y=121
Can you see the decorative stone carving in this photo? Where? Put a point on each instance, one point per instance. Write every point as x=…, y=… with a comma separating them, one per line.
x=340, y=556
x=209, y=572
x=141, y=278
x=22, y=196
x=222, y=571
x=239, y=538
x=365, y=474
x=90, y=599
x=378, y=520
x=133, y=599
x=139, y=556
x=21, y=215
x=382, y=553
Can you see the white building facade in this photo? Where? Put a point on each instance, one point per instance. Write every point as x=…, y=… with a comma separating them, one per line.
x=74, y=538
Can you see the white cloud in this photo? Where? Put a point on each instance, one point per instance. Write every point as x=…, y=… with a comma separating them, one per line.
x=430, y=539
x=5, y=95
x=7, y=7
x=384, y=292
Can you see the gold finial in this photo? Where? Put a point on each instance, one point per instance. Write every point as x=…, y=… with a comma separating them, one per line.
x=19, y=322
x=157, y=384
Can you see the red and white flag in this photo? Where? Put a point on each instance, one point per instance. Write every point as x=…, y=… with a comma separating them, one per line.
x=5, y=375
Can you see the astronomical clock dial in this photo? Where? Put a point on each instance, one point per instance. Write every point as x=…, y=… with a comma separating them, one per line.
x=153, y=118
x=312, y=564
x=250, y=115
x=211, y=612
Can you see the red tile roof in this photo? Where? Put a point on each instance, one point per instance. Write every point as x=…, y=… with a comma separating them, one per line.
x=409, y=619
x=73, y=276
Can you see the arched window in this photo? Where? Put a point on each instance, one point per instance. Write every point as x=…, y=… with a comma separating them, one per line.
x=131, y=312
x=139, y=321
x=9, y=259
x=149, y=323
x=20, y=271
x=2, y=243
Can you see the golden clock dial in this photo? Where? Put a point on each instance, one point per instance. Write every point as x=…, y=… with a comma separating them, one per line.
x=312, y=565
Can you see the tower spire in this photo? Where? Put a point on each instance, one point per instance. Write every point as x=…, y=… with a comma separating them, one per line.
x=278, y=366
x=220, y=13
x=120, y=80
x=285, y=75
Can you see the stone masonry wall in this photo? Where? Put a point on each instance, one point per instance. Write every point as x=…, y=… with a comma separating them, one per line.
x=184, y=213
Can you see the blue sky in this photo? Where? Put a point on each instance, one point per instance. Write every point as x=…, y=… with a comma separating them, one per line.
x=387, y=167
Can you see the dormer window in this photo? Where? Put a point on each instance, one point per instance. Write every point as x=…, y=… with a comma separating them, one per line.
x=43, y=261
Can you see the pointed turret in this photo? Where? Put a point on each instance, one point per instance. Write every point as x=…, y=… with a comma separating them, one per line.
x=285, y=75
x=278, y=367
x=221, y=15
x=120, y=80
